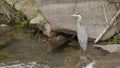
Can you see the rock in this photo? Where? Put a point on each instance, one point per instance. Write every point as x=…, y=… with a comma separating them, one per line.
x=56, y=41
x=36, y=20
x=47, y=31
x=57, y=13
x=110, y=48
x=91, y=12
x=44, y=26
x=4, y=28
x=27, y=7
x=3, y=25
x=74, y=43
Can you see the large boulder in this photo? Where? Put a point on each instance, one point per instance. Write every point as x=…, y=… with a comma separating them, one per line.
x=57, y=13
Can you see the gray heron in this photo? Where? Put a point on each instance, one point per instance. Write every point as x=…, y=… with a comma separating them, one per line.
x=81, y=32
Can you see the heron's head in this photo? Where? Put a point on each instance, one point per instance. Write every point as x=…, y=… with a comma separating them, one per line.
x=77, y=15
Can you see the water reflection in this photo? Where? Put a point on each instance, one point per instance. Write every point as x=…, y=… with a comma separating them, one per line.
x=34, y=52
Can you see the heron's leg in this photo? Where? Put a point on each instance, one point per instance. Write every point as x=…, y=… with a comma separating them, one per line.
x=82, y=51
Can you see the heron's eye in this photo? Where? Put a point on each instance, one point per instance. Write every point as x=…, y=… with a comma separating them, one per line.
x=77, y=13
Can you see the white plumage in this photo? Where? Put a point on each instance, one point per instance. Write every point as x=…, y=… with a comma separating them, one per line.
x=82, y=36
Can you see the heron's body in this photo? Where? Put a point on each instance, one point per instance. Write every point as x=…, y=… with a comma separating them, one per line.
x=82, y=36
x=81, y=33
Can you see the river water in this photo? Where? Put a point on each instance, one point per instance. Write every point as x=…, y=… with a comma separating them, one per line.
x=20, y=49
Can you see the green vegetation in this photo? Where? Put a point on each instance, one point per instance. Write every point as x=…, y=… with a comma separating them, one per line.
x=41, y=22
x=25, y=2
x=34, y=14
x=20, y=19
x=17, y=17
x=115, y=39
x=22, y=24
x=16, y=1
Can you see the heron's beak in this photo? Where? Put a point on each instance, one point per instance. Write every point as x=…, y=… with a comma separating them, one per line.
x=73, y=15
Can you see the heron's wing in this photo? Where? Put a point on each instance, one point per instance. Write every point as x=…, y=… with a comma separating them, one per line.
x=82, y=37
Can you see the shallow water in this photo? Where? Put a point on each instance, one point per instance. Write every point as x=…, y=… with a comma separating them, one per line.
x=20, y=49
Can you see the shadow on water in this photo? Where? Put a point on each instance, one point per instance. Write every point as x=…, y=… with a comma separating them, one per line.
x=11, y=41
x=61, y=47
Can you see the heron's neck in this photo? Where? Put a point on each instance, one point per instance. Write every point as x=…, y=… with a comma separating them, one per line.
x=78, y=20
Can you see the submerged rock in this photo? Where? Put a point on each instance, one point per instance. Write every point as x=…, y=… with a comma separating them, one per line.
x=56, y=41
x=110, y=48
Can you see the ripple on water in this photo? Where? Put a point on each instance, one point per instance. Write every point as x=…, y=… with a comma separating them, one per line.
x=20, y=65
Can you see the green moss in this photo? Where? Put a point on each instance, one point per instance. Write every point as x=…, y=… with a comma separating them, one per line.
x=20, y=20
x=4, y=57
x=16, y=1
x=41, y=22
x=2, y=42
x=22, y=24
x=34, y=14
x=115, y=39
x=68, y=49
